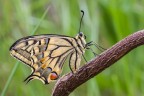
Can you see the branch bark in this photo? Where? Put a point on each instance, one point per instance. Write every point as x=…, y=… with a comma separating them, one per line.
x=66, y=84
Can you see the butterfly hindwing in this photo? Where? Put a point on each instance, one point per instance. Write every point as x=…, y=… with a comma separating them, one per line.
x=74, y=61
x=44, y=54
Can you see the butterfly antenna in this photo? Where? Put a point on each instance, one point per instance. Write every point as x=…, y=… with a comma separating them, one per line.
x=81, y=19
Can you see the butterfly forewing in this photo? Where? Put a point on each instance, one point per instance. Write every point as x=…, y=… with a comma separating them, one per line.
x=46, y=54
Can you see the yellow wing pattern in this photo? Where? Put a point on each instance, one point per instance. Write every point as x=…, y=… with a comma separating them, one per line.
x=46, y=54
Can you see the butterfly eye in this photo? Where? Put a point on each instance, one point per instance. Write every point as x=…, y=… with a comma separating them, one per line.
x=53, y=76
x=80, y=34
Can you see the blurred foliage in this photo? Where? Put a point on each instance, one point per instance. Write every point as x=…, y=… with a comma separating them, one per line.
x=105, y=22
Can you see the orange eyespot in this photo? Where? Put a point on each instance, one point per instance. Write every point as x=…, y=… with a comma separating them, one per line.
x=53, y=76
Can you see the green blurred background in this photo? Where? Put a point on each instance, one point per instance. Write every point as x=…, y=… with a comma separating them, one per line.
x=105, y=22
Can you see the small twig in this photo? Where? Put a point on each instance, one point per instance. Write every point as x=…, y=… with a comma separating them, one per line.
x=66, y=84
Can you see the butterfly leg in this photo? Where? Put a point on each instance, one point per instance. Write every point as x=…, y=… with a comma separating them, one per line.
x=96, y=45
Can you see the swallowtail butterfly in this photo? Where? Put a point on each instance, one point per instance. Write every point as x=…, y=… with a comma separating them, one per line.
x=46, y=54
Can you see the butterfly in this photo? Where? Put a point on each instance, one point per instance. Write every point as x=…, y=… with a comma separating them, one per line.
x=46, y=54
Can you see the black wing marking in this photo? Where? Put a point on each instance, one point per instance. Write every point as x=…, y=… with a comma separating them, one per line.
x=45, y=55
x=74, y=61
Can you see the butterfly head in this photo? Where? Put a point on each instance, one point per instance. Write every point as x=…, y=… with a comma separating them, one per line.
x=81, y=39
x=81, y=35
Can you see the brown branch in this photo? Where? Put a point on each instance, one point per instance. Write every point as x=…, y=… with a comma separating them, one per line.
x=66, y=84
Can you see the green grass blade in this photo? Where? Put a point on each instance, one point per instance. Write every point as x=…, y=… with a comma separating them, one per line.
x=10, y=78
x=17, y=63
